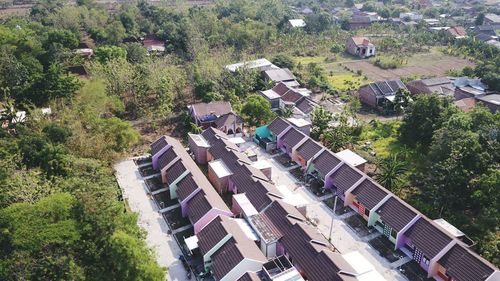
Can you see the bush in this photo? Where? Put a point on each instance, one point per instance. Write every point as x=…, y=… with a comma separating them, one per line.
x=388, y=62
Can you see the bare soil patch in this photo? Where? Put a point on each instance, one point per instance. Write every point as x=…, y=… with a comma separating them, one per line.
x=419, y=65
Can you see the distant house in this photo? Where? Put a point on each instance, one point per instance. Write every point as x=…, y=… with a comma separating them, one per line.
x=378, y=93
x=491, y=19
x=283, y=95
x=258, y=64
x=360, y=46
x=410, y=16
x=205, y=114
x=296, y=23
x=466, y=104
x=457, y=32
x=230, y=123
x=487, y=32
x=468, y=88
x=86, y=52
x=153, y=44
x=280, y=75
x=432, y=22
x=440, y=85
x=361, y=21
x=491, y=101
x=78, y=70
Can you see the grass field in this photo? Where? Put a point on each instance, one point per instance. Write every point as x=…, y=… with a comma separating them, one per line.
x=345, y=82
x=430, y=64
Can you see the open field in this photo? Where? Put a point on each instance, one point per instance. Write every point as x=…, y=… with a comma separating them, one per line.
x=428, y=65
x=16, y=10
x=345, y=82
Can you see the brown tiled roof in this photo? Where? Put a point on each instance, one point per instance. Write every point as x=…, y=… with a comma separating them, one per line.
x=306, y=105
x=201, y=180
x=463, y=265
x=369, y=193
x=217, y=108
x=212, y=134
x=308, y=149
x=256, y=191
x=228, y=119
x=307, y=247
x=457, y=31
x=292, y=137
x=396, y=214
x=216, y=230
x=427, y=237
x=211, y=234
x=175, y=171
x=157, y=145
x=250, y=276
x=231, y=254
x=282, y=216
x=359, y=40
x=325, y=162
x=198, y=206
x=185, y=187
x=168, y=156
x=345, y=177
x=278, y=125
x=291, y=96
x=281, y=89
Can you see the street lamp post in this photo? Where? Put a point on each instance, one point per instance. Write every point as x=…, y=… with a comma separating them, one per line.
x=331, y=224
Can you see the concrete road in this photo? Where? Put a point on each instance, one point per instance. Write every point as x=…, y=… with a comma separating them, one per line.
x=164, y=246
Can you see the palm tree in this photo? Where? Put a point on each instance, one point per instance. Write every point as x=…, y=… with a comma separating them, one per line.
x=391, y=169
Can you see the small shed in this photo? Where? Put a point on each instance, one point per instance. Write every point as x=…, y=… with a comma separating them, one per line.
x=352, y=158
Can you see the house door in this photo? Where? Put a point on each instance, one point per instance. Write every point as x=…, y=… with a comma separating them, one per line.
x=417, y=255
x=361, y=209
x=387, y=231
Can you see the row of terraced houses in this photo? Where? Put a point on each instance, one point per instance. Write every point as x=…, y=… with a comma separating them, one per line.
x=282, y=244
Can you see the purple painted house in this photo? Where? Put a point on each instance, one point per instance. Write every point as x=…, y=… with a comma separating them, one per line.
x=426, y=243
x=157, y=149
x=204, y=207
x=343, y=178
x=289, y=140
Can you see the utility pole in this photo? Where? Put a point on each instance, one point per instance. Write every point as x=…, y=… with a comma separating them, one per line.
x=331, y=224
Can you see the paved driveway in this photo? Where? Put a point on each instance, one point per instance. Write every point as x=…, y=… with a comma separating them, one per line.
x=343, y=237
x=165, y=247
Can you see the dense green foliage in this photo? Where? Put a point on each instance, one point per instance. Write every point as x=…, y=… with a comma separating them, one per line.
x=461, y=166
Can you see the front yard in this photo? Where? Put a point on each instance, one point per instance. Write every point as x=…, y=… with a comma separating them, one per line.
x=175, y=219
x=386, y=249
x=163, y=199
x=358, y=224
x=414, y=272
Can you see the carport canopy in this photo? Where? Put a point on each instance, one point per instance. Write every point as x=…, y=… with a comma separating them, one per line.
x=191, y=242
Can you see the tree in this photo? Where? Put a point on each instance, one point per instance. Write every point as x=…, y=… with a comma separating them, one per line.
x=318, y=22
x=479, y=19
x=401, y=101
x=391, y=170
x=283, y=61
x=106, y=53
x=136, y=53
x=422, y=118
x=321, y=119
x=339, y=135
x=257, y=110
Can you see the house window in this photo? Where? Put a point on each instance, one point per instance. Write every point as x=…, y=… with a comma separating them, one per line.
x=425, y=260
x=367, y=212
x=393, y=233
